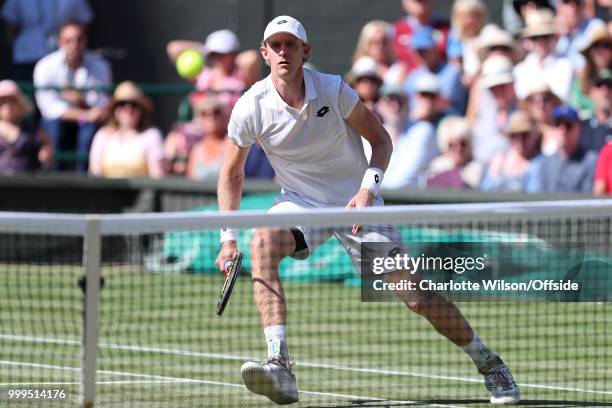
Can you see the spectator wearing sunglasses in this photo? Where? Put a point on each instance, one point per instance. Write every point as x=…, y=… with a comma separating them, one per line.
x=23, y=148
x=497, y=102
x=206, y=157
x=511, y=169
x=454, y=167
x=571, y=169
x=598, y=56
x=575, y=30
x=416, y=147
x=540, y=104
x=514, y=12
x=453, y=93
x=597, y=129
x=128, y=145
x=542, y=61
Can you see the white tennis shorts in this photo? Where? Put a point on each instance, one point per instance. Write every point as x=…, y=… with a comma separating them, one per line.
x=387, y=235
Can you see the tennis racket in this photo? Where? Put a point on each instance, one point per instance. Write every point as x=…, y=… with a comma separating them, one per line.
x=231, y=273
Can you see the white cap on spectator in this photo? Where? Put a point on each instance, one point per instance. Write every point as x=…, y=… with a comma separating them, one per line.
x=496, y=70
x=285, y=24
x=364, y=67
x=221, y=42
x=427, y=83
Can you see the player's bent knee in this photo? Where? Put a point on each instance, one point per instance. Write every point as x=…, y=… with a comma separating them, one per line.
x=426, y=304
x=272, y=243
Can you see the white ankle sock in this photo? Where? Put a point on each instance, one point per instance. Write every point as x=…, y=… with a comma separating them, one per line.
x=479, y=353
x=276, y=338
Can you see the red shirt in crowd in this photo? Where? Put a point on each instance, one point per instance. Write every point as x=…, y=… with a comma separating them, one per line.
x=603, y=170
x=402, y=35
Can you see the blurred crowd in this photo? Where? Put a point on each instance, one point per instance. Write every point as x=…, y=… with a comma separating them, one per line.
x=524, y=106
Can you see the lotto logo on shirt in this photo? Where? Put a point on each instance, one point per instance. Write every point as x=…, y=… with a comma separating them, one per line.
x=321, y=112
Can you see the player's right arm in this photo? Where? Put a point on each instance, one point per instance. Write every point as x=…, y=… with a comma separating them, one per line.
x=229, y=191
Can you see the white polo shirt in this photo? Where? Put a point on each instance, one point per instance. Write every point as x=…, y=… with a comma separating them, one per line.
x=317, y=156
x=52, y=71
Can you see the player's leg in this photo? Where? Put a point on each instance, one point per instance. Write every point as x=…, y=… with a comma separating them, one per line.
x=443, y=314
x=273, y=377
x=268, y=248
x=446, y=318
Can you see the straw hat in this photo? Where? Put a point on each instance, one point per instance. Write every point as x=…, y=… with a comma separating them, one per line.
x=127, y=91
x=598, y=35
x=540, y=86
x=495, y=36
x=207, y=103
x=519, y=122
x=539, y=22
x=9, y=88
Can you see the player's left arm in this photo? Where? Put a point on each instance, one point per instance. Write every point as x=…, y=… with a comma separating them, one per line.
x=367, y=125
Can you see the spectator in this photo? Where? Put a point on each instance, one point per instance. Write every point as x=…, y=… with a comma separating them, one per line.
x=70, y=93
x=31, y=29
x=603, y=172
x=418, y=14
x=597, y=130
x=454, y=168
x=514, y=12
x=182, y=140
x=363, y=77
x=375, y=42
x=468, y=19
x=206, y=157
x=598, y=56
x=417, y=146
x=394, y=111
x=497, y=102
x=512, y=170
x=22, y=148
x=128, y=145
x=542, y=61
x=221, y=77
x=540, y=103
x=495, y=41
x=572, y=167
x=453, y=93
x=248, y=65
x=492, y=41
x=575, y=29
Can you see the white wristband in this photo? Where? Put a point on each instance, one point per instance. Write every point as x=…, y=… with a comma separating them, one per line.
x=228, y=234
x=372, y=179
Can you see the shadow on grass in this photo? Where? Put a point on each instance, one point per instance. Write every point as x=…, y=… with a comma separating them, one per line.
x=463, y=403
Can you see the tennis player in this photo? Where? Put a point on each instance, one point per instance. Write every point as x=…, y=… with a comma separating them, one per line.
x=310, y=126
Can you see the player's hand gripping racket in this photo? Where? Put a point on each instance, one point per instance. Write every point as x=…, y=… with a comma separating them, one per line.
x=232, y=269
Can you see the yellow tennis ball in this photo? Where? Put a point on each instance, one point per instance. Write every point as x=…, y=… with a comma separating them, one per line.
x=189, y=64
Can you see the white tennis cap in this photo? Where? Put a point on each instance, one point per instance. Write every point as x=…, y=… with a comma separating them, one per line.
x=285, y=24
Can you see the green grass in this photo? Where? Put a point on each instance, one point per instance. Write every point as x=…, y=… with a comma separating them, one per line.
x=156, y=327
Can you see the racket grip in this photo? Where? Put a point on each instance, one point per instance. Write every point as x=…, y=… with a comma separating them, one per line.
x=227, y=265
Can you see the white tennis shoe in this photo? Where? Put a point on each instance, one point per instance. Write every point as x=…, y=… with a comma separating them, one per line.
x=500, y=383
x=272, y=378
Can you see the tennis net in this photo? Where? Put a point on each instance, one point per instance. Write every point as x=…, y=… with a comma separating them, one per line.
x=141, y=330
